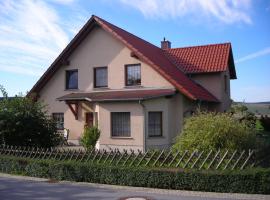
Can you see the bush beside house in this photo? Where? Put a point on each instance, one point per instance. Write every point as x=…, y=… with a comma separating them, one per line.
x=24, y=122
x=90, y=137
x=213, y=131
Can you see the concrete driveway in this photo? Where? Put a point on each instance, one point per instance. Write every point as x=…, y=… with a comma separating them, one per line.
x=28, y=188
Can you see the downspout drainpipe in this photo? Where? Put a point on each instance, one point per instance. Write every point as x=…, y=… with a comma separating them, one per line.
x=144, y=125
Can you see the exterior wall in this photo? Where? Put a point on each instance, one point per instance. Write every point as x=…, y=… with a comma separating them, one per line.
x=214, y=82
x=135, y=141
x=98, y=49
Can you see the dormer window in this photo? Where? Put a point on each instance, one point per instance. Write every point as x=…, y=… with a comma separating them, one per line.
x=133, y=74
x=72, y=79
x=100, y=77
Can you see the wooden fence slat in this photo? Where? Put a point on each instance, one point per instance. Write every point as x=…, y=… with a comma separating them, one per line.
x=241, y=155
x=175, y=156
x=165, y=159
x=208, y=155
x=181, y=159
x=85, y=152
x=213, y=160
x=142, y=158
x=122, y=155
x=73, y=153
x=230, y=160
x=128, y=157
x=249, y=156
x=150, y=158
x=154, y=164
x=114, y=155
x=89, y=155
x=45, y=153
x=103, y=152
x=95, y=156
x=221, y=160
x=79, y=153
x=135, y=158
x=197, y=159
x=191, y=156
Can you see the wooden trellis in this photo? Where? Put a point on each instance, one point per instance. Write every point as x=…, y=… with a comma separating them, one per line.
x=201, y=160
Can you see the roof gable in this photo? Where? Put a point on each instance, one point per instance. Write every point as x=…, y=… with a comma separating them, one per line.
x=144, y=50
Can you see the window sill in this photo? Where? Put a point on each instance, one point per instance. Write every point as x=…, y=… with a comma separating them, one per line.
x=101, y=88
x=133, y=86
x=156, y=137
x=72, y=89
x=116, y=137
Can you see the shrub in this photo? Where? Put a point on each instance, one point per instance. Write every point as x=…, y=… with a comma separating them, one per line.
x=265, y=122
x=241, y=113
x=90, y=137
x=247, y=181
x=24, y=122
x=213, y=131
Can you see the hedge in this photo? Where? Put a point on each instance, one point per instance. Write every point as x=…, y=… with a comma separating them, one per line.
x=256, y=181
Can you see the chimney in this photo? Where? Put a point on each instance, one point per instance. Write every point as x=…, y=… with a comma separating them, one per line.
x=165, y=44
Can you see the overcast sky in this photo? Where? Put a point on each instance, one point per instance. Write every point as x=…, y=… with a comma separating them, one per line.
x=33, y=33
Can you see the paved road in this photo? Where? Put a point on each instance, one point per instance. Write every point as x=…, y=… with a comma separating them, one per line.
x=27, y=188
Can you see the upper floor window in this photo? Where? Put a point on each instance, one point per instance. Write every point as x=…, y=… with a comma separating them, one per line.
x=133, y=74
x=72, y=79
x=154, y=124
x=59, y=120
x=100, y=77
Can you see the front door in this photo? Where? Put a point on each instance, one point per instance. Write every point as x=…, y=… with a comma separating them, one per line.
x=89, y=119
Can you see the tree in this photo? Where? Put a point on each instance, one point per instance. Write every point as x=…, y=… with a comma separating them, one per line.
x=206, y=131
x=24, y=122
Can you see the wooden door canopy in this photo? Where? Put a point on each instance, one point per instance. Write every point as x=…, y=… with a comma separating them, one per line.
x=74, y=109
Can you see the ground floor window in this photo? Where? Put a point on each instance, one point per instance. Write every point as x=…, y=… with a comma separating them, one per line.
x=59, y=120
x=120, y=124
x=154, y=124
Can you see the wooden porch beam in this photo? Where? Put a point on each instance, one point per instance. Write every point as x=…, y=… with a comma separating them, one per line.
x=73, y=110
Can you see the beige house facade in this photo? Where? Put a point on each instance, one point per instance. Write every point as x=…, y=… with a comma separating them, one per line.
x=134, y=92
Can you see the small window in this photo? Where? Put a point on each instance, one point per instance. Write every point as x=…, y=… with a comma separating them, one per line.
x=72, y=79
x=59, y=120
x=133, y=74
x=154, y=124
x=120, y=124
x=100, y=77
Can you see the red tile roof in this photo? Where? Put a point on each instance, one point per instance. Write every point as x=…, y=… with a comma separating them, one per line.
x=202, y=59
x=145, y=51
x=127, y=95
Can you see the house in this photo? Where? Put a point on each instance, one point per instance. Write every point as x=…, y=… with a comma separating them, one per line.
x=135, y=92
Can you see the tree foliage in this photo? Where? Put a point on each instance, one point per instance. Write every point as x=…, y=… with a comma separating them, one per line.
x=90, y=137
x=206, y=131
x=25, y=123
